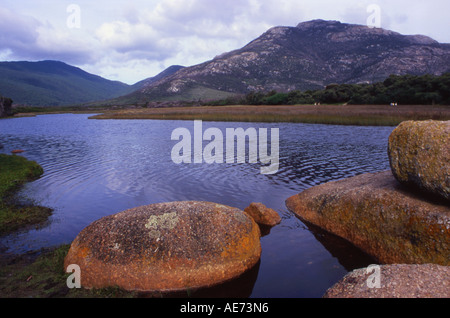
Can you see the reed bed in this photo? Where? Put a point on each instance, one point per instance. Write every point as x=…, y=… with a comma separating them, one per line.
x=366, y=115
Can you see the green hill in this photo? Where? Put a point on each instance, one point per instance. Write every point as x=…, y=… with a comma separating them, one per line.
x=53, y=83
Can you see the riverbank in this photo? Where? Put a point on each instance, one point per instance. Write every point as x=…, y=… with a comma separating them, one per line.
x=357, y=115
x=14, y=172
x=339, y=143
x=38, y=273
x=362, y=115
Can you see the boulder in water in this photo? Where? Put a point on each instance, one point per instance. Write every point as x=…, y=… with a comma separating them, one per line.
x=167, y=247
x=380, y=216
x=262, y=214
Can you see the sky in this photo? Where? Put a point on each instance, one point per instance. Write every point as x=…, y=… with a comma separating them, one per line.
x=130, y=40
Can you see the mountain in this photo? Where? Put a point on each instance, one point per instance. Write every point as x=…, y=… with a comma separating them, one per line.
x=53, y=83
x=134, y=96
x=309, y=56
x=167, y=72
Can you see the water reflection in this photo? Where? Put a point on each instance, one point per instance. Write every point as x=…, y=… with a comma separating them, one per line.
x=349, y=256
x=240, y=287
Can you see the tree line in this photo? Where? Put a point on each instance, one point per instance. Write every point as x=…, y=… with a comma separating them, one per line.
x=405, y=89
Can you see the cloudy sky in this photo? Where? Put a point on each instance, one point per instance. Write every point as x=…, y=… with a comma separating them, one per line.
x=130, y=40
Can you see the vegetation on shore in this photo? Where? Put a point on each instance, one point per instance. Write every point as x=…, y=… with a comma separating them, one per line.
x=366, y=115
x=418, y=98
x=404, y=90
x=23, y=111
x=35, y=274
x=41, y=275
x=14, y=172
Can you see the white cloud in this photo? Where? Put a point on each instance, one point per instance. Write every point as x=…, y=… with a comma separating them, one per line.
x=124, y=37
x=128, y=70
x=24, y=37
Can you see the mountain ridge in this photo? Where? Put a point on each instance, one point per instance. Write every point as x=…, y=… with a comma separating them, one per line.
x=54, y=83
x=167, y=72
x=309, y=56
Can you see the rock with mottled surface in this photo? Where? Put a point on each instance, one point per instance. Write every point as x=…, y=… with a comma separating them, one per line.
x=419, y=153
x=263, y=215
x=394, y=281
x=380, y=216
x=167, y=247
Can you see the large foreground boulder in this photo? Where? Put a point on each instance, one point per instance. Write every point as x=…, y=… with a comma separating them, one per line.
x=381, y=217
x=419, y=154
x=394, y=281
x=167, y=247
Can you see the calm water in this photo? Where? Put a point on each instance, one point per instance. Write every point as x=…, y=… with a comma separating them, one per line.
x=97, y=168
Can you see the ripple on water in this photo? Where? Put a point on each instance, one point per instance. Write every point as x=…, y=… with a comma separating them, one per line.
x=98, y=168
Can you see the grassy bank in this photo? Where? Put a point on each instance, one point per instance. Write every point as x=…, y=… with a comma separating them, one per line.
x=365, y=115
x=14, y=172
x=35, y=274
x=41, y=275
x=29, y=111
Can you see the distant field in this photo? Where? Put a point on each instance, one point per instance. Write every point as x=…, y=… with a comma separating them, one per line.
x=370, y=115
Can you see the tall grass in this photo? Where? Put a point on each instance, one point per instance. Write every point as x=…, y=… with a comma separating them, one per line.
x=364, y=115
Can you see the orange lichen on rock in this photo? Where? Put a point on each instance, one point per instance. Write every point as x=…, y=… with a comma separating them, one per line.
x=166, y=247
x=419, y=154
x=262, y=214
x=380, y=216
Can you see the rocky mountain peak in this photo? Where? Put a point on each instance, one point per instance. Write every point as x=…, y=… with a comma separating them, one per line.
x=318, y=24
x=309, y=56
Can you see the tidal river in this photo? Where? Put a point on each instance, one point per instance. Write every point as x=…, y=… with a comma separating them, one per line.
x=95, y=168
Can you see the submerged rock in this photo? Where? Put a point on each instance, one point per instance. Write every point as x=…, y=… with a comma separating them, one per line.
x=394, y=281
x=167, y=247
x=263, y=215
x=419, y=154
x=380, y=216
